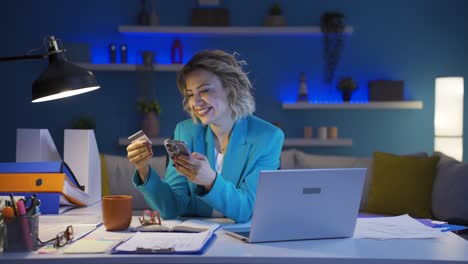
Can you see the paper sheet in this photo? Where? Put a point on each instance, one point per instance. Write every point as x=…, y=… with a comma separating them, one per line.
x=90, y=246
x=402, y=226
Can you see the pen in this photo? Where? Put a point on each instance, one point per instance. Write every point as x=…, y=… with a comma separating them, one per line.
x=13, y=204
x=25, y=224
x=87, y=232
x=33, y=206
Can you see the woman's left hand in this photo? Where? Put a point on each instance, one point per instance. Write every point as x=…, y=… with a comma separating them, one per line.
x=196, y=168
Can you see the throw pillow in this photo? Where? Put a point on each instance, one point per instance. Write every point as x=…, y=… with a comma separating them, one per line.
x=158, y=163
x=288, y=159
x=450, y=194
x=370, y=172
x=310, y=161
x=121, y=171
x=104, y=176
x=402, y=185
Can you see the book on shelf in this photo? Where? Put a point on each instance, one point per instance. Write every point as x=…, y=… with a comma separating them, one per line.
x=175, y=225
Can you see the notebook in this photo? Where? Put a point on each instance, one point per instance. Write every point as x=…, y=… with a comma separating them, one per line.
x=175, y=225
x=304, y=204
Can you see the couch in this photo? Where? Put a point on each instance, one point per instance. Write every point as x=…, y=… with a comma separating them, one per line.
x=449, y=188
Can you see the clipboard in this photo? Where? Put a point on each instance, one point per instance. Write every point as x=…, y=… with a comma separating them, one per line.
x=199, y=248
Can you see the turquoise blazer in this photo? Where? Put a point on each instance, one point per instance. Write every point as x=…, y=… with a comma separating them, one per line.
x=254, y=145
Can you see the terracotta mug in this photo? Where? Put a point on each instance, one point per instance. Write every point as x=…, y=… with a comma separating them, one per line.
x=116, y=212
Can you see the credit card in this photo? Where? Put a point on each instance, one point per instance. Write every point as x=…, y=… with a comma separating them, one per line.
x=140, y=135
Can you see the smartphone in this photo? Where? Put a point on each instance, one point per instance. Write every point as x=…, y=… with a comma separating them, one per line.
x=176, y=147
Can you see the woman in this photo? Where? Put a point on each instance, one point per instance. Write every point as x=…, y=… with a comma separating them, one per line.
x=229, y=145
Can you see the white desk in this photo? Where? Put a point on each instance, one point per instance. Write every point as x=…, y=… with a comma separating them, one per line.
x=225, y=249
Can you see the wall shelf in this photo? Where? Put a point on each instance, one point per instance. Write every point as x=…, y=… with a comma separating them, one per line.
x=129, y=67
x=241, y=31
x=236, y=31
x=288, y=142
x=370, y=105
x=313, y=142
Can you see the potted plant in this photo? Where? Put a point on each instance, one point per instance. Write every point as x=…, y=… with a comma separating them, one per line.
x=83, y=122
x=275, y=17
x=332, y=27
x=347, y=85
x=150, y=110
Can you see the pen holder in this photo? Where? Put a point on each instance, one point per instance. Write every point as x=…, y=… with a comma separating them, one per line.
x=2, y=231
x=20, y=233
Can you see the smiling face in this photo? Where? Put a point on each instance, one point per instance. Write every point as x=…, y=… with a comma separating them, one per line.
x=207, y=98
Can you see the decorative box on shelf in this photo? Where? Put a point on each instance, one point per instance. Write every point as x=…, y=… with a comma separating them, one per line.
x=386, y=90
x=210, y=17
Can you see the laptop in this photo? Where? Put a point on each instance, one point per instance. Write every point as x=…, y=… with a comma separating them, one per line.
x=304, y=204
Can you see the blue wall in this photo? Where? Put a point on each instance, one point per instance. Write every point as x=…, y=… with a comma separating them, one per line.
x=415, y=41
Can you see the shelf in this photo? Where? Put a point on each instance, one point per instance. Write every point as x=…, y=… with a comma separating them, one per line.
x=288, y=142
x=304, y=142
x=370, y=105
x=129, y=67
x=155, y=141
x=245, y=31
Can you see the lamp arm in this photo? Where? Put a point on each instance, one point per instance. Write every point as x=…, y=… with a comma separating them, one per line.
x=23, y=57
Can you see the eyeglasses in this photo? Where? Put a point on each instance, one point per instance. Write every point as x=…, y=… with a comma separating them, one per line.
x=61, y=239
x=150, y=218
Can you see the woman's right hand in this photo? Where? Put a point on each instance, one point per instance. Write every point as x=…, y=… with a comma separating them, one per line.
x=139, y=154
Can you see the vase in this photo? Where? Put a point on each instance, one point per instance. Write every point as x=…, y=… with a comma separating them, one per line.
x=150, y=124
x=346, y=95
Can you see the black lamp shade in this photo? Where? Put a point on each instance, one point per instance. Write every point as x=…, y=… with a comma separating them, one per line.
x=62, y=79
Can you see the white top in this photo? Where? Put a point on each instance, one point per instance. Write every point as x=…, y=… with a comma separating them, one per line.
x=218, y=167
x=219, y=161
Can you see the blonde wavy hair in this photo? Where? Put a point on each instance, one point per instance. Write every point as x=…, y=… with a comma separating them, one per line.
x=229, y=70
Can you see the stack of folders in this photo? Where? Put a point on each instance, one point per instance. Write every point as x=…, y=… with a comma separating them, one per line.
x=52, y=182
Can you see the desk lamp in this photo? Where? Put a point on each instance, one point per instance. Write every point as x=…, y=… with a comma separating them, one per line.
x=61, y=78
